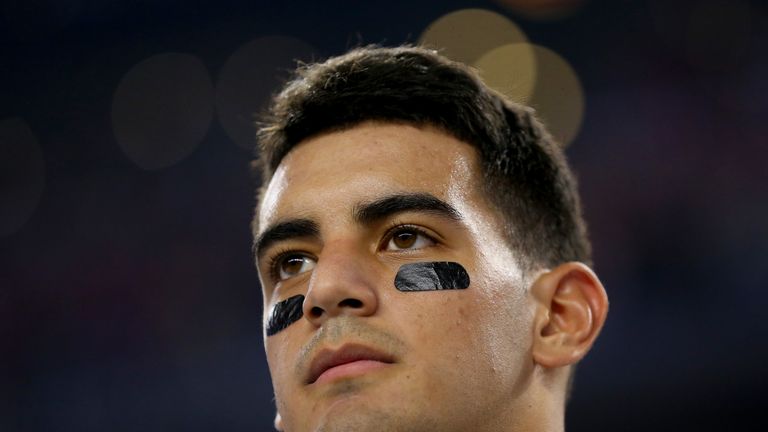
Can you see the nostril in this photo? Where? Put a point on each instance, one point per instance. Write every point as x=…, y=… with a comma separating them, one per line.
x=315, y=312
x=351, y=302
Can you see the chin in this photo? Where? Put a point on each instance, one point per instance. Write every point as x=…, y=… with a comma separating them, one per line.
x=360, y=412
x=351, y=418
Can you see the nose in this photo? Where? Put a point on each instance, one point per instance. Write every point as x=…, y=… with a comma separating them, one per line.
x=342, y=282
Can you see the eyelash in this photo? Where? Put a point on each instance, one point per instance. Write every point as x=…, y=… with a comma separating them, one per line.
x=394, y=228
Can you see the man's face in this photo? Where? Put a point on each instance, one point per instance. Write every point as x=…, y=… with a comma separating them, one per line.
x=343, y=212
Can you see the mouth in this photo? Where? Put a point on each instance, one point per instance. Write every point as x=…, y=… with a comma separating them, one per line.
x=346, y=362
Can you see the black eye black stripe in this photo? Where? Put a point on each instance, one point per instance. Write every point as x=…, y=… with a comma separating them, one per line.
x=285, y=313
x=431, y=276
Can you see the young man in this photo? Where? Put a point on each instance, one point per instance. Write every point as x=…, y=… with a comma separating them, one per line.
x=422, y=253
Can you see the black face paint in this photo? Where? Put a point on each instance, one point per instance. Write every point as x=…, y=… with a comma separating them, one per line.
x=431, y=276
x=285, y=313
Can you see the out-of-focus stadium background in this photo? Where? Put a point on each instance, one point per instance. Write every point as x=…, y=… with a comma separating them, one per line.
x=128, y=297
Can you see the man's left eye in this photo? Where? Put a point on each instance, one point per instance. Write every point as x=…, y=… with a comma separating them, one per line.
x=407, y=239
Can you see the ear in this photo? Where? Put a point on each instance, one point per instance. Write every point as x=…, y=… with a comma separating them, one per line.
x=571, y=306
x=278, y=422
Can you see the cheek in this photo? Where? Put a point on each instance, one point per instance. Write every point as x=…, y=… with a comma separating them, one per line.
x=455, y=356
x=501, y=300
x=505, y=329
x=434, y=325
x=443, y=327
x=279, y=357
x=481, y=330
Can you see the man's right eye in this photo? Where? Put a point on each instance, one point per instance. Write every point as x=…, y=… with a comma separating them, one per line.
x=290, y=265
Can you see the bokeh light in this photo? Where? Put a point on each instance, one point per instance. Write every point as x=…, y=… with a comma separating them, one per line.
x=22, y=174
x=541, y=78
x=543, y=10
x=249, y=78
x=510, y=69
x=465, y=35
x=162, y=109
x=558, y=96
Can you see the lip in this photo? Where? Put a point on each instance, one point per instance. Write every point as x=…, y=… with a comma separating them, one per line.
x=347, y=361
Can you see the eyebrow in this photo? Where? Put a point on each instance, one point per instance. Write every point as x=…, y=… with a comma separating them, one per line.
x=363, y=214
x=286, y=230
x=382, y=208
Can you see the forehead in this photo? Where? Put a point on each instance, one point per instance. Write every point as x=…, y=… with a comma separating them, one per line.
x=343, y=168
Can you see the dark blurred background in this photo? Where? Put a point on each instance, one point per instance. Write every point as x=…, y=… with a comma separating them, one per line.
x=128, y=297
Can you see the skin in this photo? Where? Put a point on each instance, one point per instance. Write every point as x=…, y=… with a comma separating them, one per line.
x=493, y=357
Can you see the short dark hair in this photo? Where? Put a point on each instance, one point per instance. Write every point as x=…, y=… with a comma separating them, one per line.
x=525, y=173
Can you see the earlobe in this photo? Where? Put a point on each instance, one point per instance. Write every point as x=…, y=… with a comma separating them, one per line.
x=571, y=306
